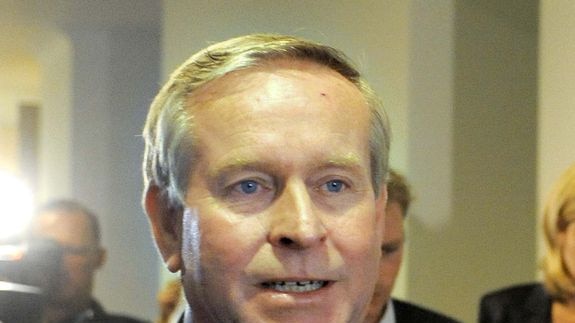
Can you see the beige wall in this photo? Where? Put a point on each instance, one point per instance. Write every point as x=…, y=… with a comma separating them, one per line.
x=55, y=154
x=9, y=151
x=19, y=84
x=97, y=69
x=556, y=114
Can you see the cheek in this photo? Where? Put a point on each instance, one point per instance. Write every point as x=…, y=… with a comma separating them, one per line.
x=357, y=240
x=566, y=245
x=359, y=231
x=216, y=240
x=390, y=269
x=568, y=255
x=382, y=281
x=77, y=267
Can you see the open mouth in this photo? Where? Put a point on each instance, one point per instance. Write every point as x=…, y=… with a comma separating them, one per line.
x=295, y=286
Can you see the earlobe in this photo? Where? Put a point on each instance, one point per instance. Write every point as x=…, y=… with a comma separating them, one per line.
x=174, y=263
x=165, y=222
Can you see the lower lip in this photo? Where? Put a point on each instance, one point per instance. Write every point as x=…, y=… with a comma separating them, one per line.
x=289, y=299
x=321, y=305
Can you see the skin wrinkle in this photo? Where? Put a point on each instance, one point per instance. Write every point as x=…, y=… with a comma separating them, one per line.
x=205, y=96
x=220, y=92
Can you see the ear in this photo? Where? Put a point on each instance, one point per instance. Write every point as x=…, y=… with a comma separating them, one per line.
x=101, y=258
x=166, y=226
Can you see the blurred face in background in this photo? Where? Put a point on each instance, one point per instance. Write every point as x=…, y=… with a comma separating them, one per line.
x=391, y=256
x=566, y=240
x=81, y=254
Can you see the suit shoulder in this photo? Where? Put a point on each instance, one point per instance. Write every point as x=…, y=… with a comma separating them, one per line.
x=406, y=312
x=518, y=303
x=101, y=315
x=516, y=294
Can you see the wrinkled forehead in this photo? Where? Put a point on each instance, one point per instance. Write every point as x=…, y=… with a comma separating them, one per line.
x=279, y=104
x=291, y=70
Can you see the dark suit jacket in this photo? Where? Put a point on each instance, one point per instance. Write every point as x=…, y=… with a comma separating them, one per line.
x=528, y=303
x=409, y=313
x=97, y=314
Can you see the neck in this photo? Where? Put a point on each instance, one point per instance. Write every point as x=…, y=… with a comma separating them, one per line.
x=566, y=305
x=570, y=303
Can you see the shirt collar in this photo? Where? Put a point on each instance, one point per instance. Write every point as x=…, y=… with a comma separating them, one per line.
x=389, y=314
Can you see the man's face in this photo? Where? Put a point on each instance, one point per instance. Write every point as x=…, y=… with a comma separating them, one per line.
x=392, y=253
x=280, y=224
x=81, y=255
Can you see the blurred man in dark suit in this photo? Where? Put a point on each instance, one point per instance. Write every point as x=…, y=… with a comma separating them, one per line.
x=383, y=308
x=77, y=232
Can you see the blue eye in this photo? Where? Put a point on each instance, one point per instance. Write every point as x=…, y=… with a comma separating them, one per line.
x=334, y=186
x=249, y=187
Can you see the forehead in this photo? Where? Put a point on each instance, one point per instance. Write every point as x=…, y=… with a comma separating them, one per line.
x=276, y=80
x=68, y=228
x=282, y=105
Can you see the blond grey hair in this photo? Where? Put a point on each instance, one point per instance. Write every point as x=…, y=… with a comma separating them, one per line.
x=559, y=212
x=169, y=135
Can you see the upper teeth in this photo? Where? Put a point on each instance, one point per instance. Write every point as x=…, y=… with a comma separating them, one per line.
x=295, y=286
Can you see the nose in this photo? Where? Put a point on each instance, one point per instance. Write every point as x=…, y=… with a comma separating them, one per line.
x=294, y=222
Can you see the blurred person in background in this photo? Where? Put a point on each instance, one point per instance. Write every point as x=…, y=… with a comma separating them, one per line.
x=77, y=232
x=383, y=308
x=171, y=301
x=552, y=300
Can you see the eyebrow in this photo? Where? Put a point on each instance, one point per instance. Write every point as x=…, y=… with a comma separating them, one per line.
x=349, y=161
x=217, y=175
x=237, y=164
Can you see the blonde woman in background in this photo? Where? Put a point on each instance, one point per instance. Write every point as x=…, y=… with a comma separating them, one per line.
x=554, y=299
